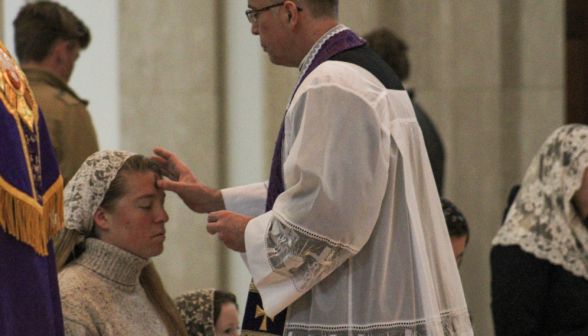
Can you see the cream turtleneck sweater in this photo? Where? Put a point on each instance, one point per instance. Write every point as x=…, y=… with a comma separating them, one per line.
x=101, y=294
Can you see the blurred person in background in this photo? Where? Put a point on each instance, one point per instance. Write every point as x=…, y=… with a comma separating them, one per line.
x=48, y=39
x=459, y=232
x=209, y=312
x=393, y=51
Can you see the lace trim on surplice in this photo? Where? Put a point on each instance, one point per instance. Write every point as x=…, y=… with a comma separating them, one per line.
x=304, y=257
x=451, y=323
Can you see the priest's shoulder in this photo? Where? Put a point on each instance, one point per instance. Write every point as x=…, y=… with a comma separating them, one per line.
x=351, y=78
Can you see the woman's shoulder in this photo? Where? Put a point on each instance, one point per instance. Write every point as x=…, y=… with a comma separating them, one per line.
x=83, y=295
x=76, y=288
x=73, y=273
x=79, y=281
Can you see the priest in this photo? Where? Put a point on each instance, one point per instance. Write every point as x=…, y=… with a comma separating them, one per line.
x=348, y=236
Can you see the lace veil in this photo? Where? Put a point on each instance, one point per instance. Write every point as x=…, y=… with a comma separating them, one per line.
x=542, y=220
x=86, y=190
x=197, y=311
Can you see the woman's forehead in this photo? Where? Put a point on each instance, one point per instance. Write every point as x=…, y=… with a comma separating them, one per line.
x=140, y=181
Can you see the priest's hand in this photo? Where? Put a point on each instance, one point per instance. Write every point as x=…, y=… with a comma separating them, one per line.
x=230, y=228
x=195, y=194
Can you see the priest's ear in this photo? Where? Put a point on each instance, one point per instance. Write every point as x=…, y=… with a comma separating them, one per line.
x=292, y=11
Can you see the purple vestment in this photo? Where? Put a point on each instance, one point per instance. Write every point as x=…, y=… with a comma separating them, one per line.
x=31, y=212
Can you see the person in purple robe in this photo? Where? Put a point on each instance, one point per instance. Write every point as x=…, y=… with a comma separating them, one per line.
x=31, y=211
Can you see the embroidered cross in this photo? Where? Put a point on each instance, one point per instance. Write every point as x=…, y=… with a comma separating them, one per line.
x=259, y=313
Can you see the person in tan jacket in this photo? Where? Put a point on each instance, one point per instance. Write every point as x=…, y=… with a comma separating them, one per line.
x=48, y=40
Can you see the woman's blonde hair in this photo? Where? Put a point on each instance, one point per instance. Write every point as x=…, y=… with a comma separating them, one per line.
x=69, y=245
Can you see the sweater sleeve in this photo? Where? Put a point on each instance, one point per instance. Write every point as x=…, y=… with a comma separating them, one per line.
x=520, y=289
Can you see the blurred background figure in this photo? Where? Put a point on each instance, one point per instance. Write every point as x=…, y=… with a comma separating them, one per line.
x=457, y=226
x=539, y=258
x=48, y=39
x=31, y=211
x=393, y=51
x=209, y=312
x=115, y=223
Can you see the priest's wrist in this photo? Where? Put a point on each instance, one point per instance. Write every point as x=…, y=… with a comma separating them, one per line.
x=216, y=201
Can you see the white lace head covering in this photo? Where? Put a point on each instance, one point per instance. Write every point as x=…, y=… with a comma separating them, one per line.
x=197, y=311
x=86, y=190
x=542, y=220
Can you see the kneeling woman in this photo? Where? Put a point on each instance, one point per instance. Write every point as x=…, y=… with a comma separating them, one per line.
x=114, y=223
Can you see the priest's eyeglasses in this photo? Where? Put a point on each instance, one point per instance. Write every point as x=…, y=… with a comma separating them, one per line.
x=252, y=13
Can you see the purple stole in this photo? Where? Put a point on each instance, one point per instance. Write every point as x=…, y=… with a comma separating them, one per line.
x=31, y=211
x=255, y=321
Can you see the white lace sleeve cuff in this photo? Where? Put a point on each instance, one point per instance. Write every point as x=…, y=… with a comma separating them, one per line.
x=276, y=291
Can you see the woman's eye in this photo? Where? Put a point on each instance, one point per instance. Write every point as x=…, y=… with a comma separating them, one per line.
x=145, y=207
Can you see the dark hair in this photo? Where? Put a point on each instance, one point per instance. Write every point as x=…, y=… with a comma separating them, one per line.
x=456, y=222
x=320, y=8
x=39, y=25
x=220, y=298
x=391, y=49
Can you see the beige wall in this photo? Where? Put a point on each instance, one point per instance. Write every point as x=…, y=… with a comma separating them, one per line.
x=488, y=72
x=170, y=98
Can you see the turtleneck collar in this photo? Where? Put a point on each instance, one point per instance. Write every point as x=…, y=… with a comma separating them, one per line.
x=112, y=262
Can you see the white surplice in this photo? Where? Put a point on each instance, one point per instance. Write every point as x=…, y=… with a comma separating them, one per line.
x=357, y=243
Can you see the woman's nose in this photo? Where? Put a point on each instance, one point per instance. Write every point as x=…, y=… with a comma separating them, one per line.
x=161, y=216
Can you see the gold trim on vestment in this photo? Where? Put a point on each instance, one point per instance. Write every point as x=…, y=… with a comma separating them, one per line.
x=21, y=215
x=252, y=287
x=259, y=312
x=17, y=95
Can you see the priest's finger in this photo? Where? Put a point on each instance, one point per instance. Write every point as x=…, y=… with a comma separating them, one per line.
x=159, y=161
x=165, y=154
x=213, y=217
x=213, y=228
x=170, y=185
x=168, y=174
